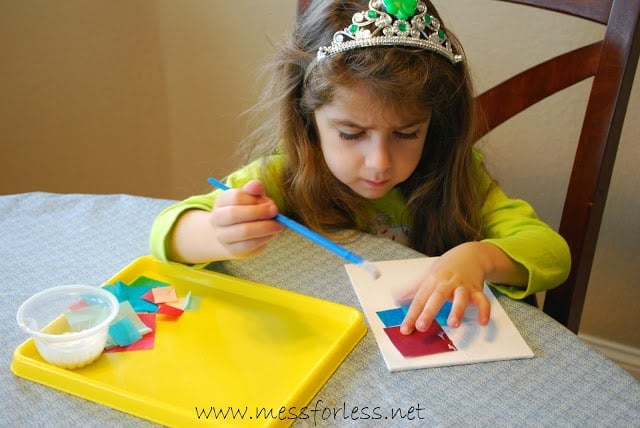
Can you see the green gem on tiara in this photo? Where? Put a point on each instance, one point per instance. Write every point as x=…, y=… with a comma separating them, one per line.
x=392, y=23
x=402, y=9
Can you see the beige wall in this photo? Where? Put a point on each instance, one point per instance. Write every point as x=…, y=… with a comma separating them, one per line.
x=83, y=103
x=120, y=96
x=145, y=97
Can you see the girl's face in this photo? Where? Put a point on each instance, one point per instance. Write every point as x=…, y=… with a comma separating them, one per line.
x=369, y=146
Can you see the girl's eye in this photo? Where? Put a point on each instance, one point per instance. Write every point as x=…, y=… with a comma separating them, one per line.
x=407, y=135
x=350, y=136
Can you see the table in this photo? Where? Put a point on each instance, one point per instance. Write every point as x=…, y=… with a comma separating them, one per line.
x=51, y=239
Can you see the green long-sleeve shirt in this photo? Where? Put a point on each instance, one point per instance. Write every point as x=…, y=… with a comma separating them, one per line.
x=510, y=224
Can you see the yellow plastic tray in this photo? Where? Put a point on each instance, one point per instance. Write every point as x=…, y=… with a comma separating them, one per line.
x=249, y=347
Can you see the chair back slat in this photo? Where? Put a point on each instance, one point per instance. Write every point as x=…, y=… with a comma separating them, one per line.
x=498, y=103
x=593, y=10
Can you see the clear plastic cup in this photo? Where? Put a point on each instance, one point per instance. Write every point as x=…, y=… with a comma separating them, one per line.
x=69, y=324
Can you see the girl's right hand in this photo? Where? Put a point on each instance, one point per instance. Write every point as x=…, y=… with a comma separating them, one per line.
x=242, y=220
x=239, y=226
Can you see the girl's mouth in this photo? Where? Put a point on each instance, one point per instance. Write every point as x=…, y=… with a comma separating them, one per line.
x=375, y=184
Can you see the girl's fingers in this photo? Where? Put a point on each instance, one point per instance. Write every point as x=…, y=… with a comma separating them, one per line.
x=247, y=231
x=236, y=207
x=239, y=214
x=484, y=307
x=423, y=309
x=415, y=309
x=251, y=194
x=249, y=248
x=426, y=306
x=461, y=297
x=243, y=220
x=254, y=187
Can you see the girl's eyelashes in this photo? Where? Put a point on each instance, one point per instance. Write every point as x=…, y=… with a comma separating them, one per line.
x=407, y=135
x=350, y=136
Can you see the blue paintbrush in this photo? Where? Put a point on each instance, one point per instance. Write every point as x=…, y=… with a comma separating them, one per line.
x=315, y=237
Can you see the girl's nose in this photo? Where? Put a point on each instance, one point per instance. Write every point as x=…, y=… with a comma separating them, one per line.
x=378, y=155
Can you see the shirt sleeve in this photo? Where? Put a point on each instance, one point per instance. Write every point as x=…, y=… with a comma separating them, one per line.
x=269, y=171
x=513, y=226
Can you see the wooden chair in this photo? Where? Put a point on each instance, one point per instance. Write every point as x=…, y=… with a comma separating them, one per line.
x=611, y=63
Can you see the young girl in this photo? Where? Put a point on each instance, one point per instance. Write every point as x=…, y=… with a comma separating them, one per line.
x=371, y=127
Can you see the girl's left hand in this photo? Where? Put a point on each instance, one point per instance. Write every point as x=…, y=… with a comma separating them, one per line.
x=458, y=275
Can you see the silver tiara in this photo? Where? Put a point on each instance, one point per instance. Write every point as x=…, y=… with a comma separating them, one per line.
x=402, y=23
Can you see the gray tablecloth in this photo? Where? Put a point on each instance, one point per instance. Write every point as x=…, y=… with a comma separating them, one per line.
x=50, y=239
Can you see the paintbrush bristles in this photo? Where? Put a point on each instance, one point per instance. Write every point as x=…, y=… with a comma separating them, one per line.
x=370, y=267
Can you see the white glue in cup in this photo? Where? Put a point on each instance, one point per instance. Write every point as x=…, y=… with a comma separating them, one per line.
x=69, y=324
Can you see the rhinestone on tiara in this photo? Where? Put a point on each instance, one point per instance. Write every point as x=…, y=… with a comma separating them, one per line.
x=401, y=23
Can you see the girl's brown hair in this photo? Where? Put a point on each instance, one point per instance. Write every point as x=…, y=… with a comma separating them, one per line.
x=443, y=201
